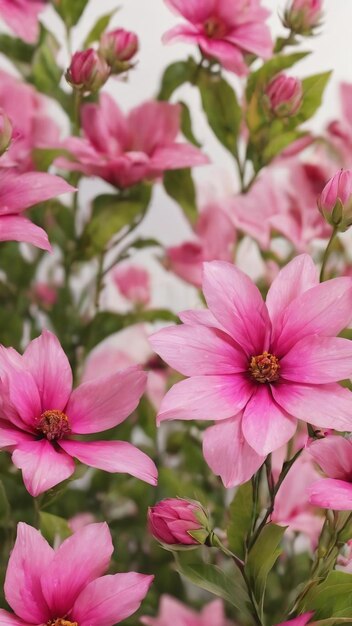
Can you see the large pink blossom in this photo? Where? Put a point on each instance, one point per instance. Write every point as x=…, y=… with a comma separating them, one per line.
x=269, y=364
x=67, y=586
x=22, y=17
x=40, y=413
x=32, y=126
x=214, y=238
x=124, y=150
x=334, y=455
x=225, y=30
x=18, y=192
x=172, y=611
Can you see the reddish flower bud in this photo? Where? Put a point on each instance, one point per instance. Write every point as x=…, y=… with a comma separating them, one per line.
x=5, y=132
x=284, y=95
x=303, y=16
x=118, y=47
x=88, y=71
x=176, y=521
x=335, y=201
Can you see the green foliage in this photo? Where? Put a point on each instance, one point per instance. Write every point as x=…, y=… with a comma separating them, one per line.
x=15, y=49
x=180, y=186
x=45, y=72
x=240, y=511
x=176, y=75
x=53, y=527
x=70, y=10
x=186, y=125
x=99, y=27
x=331, y=598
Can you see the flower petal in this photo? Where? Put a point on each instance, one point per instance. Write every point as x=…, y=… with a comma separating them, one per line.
x=236, y=302
x=228, y=454
x=19, y=192
x=110, y=599
x=318, y=360
x=265, y=425
x=177, y=156
x=42, y=466
x=113, y=456
x=206, y=398
x=198, y=350
x=9, y=619
x=23, y=592
x=330, y=493
x=105, y=402
x=334, y=455
x=193, y=10
x=80, y=559
x=11, y=436
x=18, y=228
x=50, y=368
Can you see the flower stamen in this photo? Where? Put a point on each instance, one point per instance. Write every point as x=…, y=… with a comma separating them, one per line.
x=61, y=622
x=264, y=368
x=53, y=425
x=214, y=28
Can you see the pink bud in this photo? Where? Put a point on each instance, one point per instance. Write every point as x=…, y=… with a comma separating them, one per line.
x=176, y=521
x=118, y=47
x=5, y=132
x=303, y=16
x=133, y=283
x=335, y=201
x=284, y=95
x=88, y=71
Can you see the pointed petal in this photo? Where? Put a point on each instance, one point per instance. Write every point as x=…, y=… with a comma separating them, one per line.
x=113, y=456
x=111, y=599
x=228, y=454
x=228, y=55
x=9, y=619
x=177, y=156
x=80, y=559
x=198, y=350
x=318, y=360
x=330, y=493
x=265, y=425
x=334, y=455
x=23, y=591
x=105, y=402
x=21, y=389
x=21, y=191
x=50, y=368
x=236, y=302
x=18, y=228
x=206, y=398
x=193, y=10
x=11, y=436
x=42, y=466
x=200, y=317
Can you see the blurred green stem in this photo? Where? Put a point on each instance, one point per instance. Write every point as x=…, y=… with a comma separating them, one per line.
x=327, y=253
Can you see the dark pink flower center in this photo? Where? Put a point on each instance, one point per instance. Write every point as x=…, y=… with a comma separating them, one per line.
x=214, y=28
x=60, y=621
x=264, y=368
x=54, y=425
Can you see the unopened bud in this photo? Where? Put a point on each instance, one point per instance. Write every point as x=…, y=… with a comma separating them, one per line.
x=118, y=47
x=303, y=16
x=5, y=132
x=179, y=522
x=88, y=71
x=283, y=96
x=335, y=201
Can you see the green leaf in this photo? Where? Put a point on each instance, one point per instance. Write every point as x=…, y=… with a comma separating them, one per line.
x=99, y=27
x=5, y=508
x=44, y=157
x=261, y=559
x=179, y=186
x=176, y=75
x=221, y=107
x=46, y=74
x=313, y=91
x=70, y=10
x=241, y=509
x=186, y=125
x=332, y=598
x=16, y=49
x=53, y=527
x=278, y=143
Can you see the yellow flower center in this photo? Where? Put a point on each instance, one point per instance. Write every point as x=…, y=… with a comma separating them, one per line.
x=54, y=425
x=61, y=622
x=264, y=368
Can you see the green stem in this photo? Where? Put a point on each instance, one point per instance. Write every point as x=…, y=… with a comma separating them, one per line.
x=77, y=101
x=327, y=253
x=99, y=282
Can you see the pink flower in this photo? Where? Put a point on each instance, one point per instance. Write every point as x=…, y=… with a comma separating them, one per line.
x=118, y=47
x=340, y=131
x=335, y=201
x=225, y=30
x=80, y=520
x=40, y=412
x=334, y=455
x=268, y=364
x=302, y=620
x=284, y=95
x=32, y=128
x=171, y=611
x=176, y=521
x=22, y=17
x=133, y=282
x=44, y=293
x=67, y=586
x=125, y=150
x=303, y=16
x=88, y=71
x=214, y=238
x=18, y=192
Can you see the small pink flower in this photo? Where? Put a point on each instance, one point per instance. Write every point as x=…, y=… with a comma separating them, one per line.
x=18, y=192
x=225, y=30
x=67, y=586
x=284, y=95
x=126, y=150
x=268, y=364
x=133, y=282
x=22, y=17
x=118, y=47
x=334, y=455
x=303, y=16
x=41, y=414
x=172, y=611
x=88, y=71
x=335, y=201
x=302, y=620
x=176, y=521
x=44, y=293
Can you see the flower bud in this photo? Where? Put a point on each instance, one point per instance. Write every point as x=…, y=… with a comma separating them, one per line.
x=283, y=95
x=176, y=521
x=88, y=71
x=118, y=47
x=335, y=201
x=303, y=16
x=5, y=132
x=133, y=283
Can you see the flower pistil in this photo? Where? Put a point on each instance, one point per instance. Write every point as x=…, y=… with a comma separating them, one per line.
x=264, y=368
x=54, y=425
